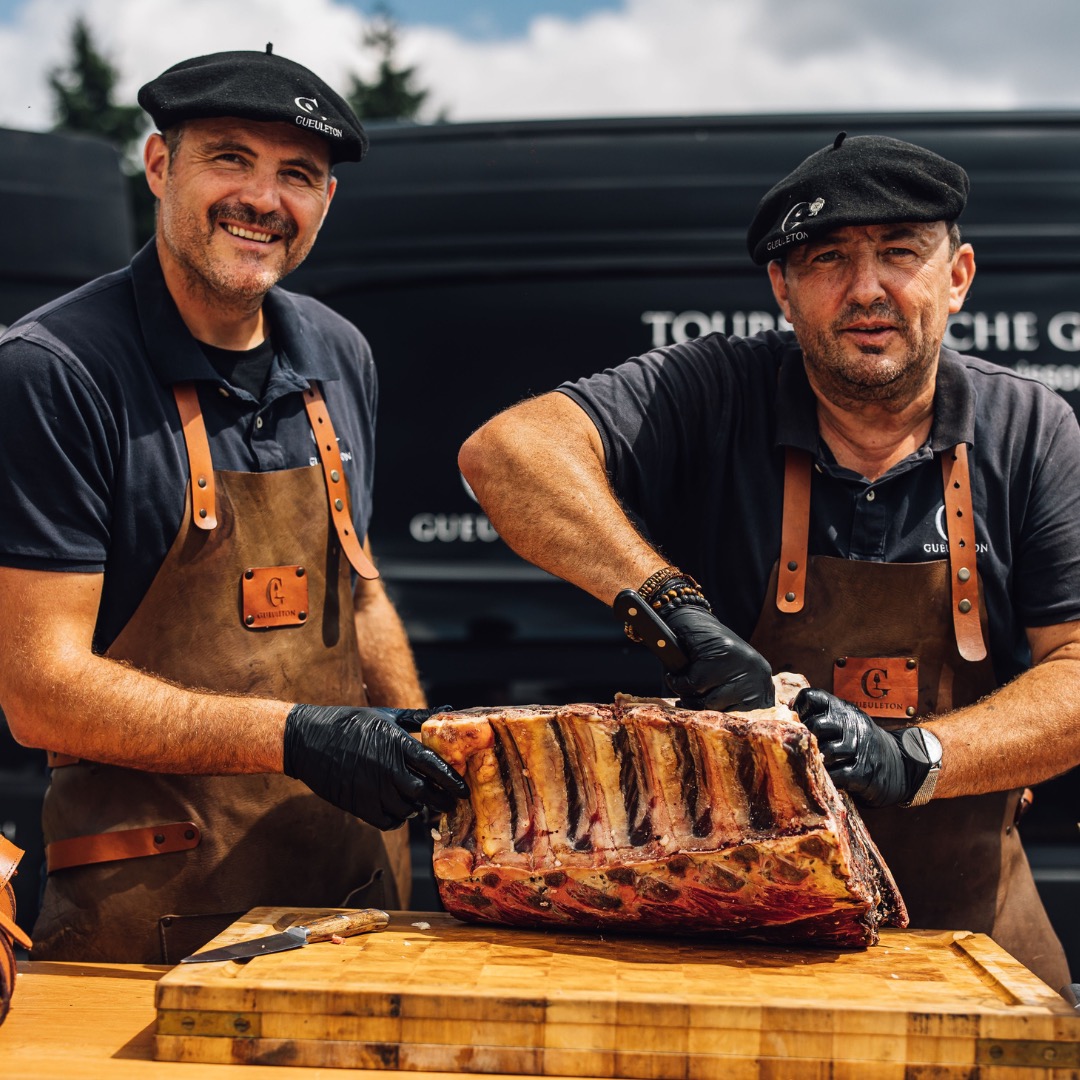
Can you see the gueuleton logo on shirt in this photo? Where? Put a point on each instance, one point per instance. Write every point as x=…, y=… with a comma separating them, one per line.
x=879, y=685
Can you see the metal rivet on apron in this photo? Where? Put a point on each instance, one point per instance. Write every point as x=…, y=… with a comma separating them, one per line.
x=202, y=481
x=159, y=838
x=911, y=710
x=338, y=504
x=789, y=597
x=258, y=422
x=301, y=615
x=870, y=496
x=964, y=606
x=911, y=664
x=842, y=662
x=249, y=574
x=793, y=565
x=964, y=574
x=202, y=512
x=222, y=391
x=300, y=571
x=335, y=475
x=250, y=620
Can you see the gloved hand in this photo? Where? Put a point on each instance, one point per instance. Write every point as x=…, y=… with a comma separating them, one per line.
x=724, y=671
x=364, y=761
x=861, y=757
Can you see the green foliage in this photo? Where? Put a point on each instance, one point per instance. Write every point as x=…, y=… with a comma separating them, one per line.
x=83, y=94
x=392, y=94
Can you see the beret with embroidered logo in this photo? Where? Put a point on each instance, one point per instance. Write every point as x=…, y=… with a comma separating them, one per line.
x=864, y=180
x=255, y=86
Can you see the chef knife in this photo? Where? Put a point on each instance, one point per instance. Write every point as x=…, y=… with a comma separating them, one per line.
x=344, y=924
x=653, y=631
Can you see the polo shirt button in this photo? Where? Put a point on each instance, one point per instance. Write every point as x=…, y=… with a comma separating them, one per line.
x=258, y=422
x=870, y=495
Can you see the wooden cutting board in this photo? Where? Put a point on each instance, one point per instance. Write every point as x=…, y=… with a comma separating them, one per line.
x=430, y=993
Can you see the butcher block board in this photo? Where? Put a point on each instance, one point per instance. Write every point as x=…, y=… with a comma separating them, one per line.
x=430, y=993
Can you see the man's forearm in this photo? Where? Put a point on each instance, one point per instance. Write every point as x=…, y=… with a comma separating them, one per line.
x=1025, y=732
x=385, y=655
x=538, y=471
x=105, y=711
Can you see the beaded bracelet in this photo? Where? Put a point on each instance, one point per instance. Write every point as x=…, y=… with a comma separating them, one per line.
x=678, y=592
x=651, y=584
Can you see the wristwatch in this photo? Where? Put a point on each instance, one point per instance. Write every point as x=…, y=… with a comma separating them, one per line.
x=923, y=748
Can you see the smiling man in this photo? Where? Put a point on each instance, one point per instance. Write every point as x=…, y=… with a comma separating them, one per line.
x=201, y=635
x=781, y=501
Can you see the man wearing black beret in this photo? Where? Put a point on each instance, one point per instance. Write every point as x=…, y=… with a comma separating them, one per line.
x=850, y=500
x=202, y=642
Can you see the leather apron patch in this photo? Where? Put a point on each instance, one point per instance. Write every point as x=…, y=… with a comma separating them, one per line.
x=274, y=596
x=883, y=686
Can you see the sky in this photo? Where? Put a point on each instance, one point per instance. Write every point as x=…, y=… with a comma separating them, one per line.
x=577, y=58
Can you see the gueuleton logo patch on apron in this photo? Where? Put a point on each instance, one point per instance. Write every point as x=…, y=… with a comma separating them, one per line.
x=885, y=686
x=274, y=596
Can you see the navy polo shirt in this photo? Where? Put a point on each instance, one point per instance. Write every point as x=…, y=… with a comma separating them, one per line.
x=94, y=461
x=695, y=435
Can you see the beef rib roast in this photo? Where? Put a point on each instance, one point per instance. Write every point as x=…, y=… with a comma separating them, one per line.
x=642, y=816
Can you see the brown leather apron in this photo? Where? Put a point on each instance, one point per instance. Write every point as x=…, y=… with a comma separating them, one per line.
x=146, y=867
x=958, y=862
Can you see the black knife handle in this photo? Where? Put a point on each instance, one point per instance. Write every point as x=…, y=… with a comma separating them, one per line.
x=653, y=631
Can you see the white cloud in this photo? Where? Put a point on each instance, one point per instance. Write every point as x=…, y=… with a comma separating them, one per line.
x=651, y=57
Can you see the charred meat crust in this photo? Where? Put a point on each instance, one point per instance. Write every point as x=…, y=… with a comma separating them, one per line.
x=616, y=819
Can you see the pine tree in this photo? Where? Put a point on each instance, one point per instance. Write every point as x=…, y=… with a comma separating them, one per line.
x=83, y=94
x=391, y=95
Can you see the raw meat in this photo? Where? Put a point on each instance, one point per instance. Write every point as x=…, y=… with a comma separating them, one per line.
x=642, y=816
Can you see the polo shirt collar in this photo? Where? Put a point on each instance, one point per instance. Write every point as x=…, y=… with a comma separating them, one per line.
x=175, y=355
x=796, y=406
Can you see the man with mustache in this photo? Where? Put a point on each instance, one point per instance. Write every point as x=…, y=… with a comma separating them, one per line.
x=782, y=501
x=197, y=634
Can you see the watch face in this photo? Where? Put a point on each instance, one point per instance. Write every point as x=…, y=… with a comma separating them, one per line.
x=922, y=746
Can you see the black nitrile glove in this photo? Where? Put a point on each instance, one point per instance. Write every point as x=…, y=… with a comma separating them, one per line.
x=861, y=757
x=364, y=761
x=724, y=671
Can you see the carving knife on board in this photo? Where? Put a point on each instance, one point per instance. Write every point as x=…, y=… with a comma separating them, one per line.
x=654, y=633
x=343, y=924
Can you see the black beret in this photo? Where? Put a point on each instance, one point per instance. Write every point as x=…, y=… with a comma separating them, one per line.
x=255, y=86
x=864, y=180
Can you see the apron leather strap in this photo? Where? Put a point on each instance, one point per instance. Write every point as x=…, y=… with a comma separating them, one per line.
x=336, y=491
x=795, y=532
x=200, y=464
x=122, y=844
x=963, y=578
x=960, y=526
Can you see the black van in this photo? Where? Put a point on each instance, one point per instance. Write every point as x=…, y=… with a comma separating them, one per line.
x=66, y=220
x=487, y=262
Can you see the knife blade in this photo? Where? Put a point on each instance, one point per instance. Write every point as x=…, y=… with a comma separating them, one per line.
x=342, y=924
x=653, y=631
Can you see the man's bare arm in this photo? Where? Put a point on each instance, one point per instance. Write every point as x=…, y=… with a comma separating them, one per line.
x=1023, y=733
x=58, y=695
x=385, y=653
x=538, y=471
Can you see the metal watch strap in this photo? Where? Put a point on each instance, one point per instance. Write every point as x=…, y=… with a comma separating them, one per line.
x=930, y=746
x=926, y=788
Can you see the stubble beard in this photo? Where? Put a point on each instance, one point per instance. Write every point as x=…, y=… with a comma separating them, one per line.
x=236, y=283
x=852, y=379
